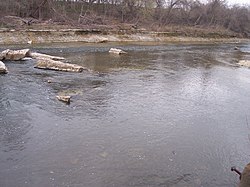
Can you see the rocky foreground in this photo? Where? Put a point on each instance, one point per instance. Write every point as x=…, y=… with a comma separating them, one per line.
x=45, y=62
x=3, y=68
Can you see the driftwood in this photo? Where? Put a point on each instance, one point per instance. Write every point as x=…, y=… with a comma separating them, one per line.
x=43, y=56
x=14, y=54
x=3, y=68
x=117, y=51
x=49, y=64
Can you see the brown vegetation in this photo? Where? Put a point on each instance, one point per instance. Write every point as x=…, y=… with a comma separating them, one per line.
x=158, y=15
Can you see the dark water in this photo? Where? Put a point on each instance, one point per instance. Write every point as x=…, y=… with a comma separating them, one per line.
x=162, y=115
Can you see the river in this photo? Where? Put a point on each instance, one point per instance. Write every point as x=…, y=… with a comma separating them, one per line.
x=170, y=115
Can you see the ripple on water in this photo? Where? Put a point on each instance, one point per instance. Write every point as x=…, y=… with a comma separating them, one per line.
x=166, y=115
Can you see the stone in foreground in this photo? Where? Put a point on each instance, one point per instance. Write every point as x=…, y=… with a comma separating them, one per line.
x=49, y=64
x=42, y=56
x=117, y=51
x=245, y=177
x=3, y=68
x=65, y=99
x=245, y=63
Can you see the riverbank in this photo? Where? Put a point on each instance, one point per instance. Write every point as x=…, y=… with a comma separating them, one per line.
x=12, y=36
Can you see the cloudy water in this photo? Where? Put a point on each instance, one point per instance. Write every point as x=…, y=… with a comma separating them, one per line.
x=170, y=115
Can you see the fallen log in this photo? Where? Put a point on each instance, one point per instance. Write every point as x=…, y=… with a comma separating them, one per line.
x=49, y=64
x=117, y=51
x=15, y=54
x=43, y=56
x=3, y=68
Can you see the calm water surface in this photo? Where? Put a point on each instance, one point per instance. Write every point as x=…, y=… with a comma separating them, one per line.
x=169, y=115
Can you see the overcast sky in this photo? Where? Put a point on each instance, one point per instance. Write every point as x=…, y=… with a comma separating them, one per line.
x=241, y=2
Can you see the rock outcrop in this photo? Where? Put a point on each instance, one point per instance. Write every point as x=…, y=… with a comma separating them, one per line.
x=245, y=177
x=48, y=64
x=14, y=54
x=245, y=63
x=65, y=99
x=3, y=68
x=117, y=51
x=44, y=61
x=44, y=56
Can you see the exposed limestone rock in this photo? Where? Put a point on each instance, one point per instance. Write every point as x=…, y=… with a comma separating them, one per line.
x=44, y=63
x=3, y=54
x=98, y=39
x=43, y=56
x=15, y=54
x=117, y=51
x=65, y=99
x=236, y=48
x=3, y=68
x=26, y=58
x=245, y=177
x=245, y=63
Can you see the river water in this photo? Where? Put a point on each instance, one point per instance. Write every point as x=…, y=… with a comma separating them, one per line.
x=170, y=115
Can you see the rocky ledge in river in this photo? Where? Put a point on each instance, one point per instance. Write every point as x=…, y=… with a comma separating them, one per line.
x=245, y=63
x=44, y=63
x=3, y=68
x=14, y=54
x=117, y=51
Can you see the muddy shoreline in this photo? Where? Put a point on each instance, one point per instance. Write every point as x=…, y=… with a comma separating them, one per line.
x=98, y=36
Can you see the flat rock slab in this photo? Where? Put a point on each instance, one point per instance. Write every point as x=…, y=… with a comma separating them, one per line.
x=117, y=51
x=49, y=64
x=65, y=99
x=14, y=54
x=245, y=63
x=3, y=68
x=3, y=54
x=42, y=56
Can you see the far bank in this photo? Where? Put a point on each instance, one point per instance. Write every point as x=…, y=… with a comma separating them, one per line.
x=12, y=36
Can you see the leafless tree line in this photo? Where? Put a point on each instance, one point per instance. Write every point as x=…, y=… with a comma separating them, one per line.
x=156, y=13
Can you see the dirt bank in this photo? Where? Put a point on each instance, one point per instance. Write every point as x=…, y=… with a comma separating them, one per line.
x=97, y=36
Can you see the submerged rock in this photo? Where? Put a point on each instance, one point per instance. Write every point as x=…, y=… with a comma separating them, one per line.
x=15, y=54
x=245, y=63
x=117, y=51
x=65, y=99
x=49, y=64
x=3, y=68
x=236, y=48
x=43, y=56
